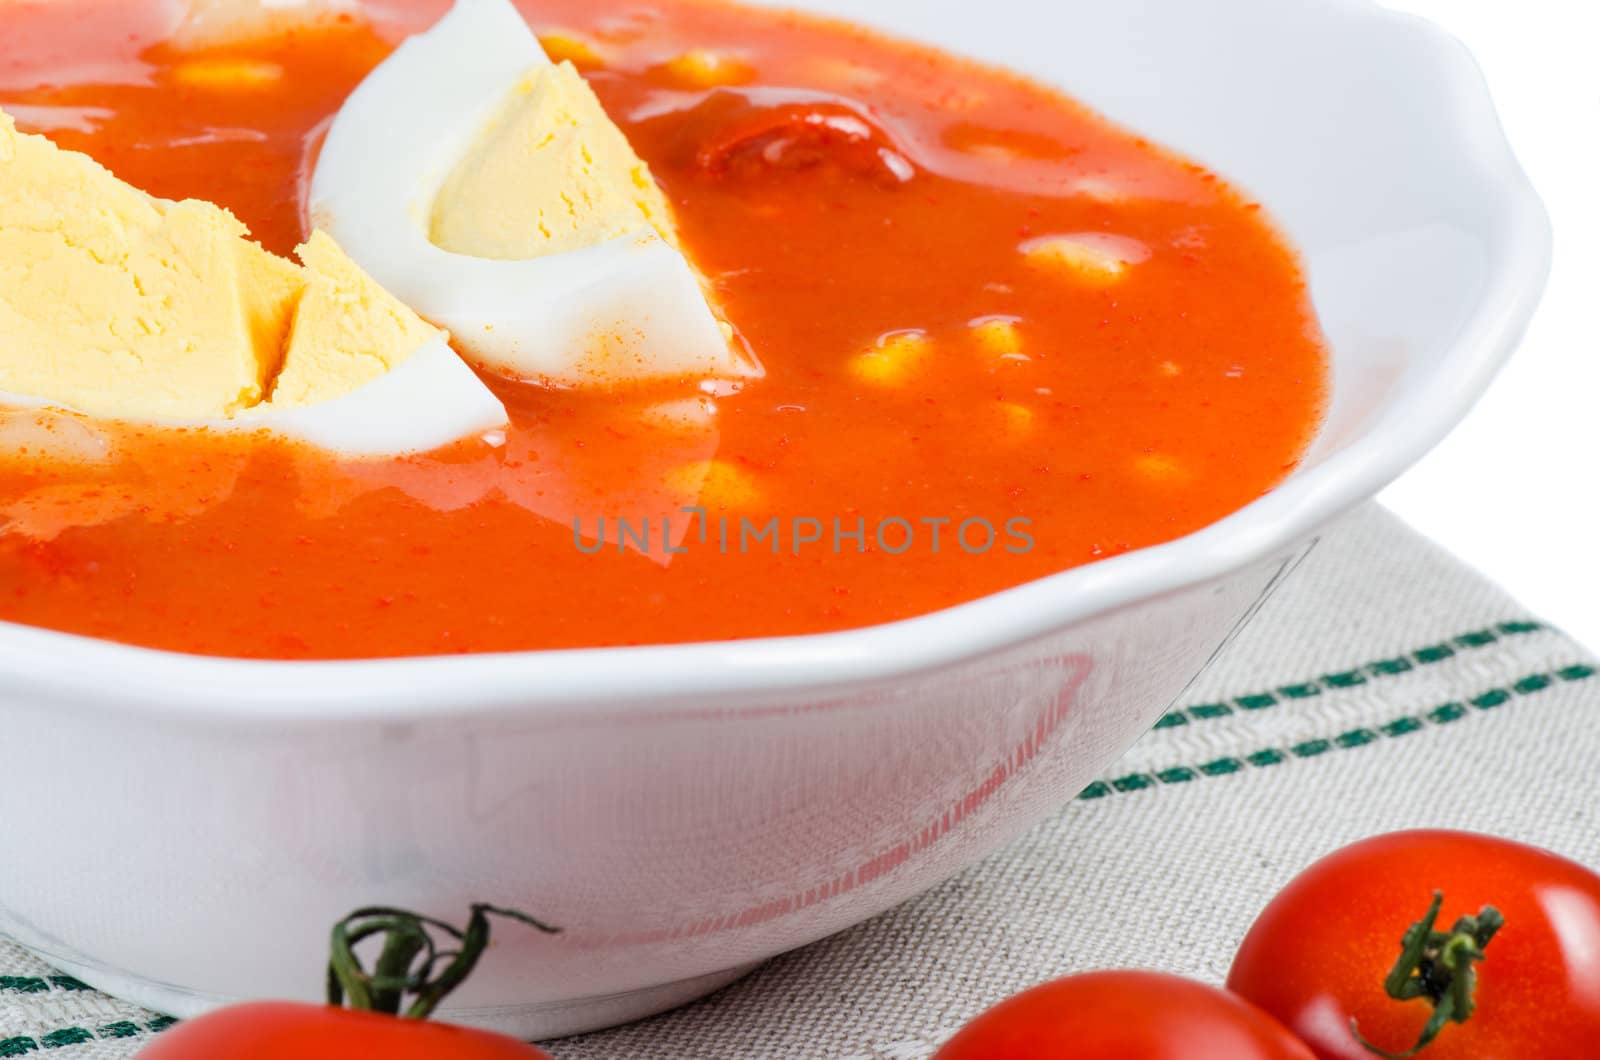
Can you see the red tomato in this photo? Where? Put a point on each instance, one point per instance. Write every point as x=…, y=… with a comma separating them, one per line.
x=1318, y=956
x=1124, y=1016
x=278, y=1030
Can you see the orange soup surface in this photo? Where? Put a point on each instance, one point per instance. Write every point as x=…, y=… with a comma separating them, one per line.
x=943, y=415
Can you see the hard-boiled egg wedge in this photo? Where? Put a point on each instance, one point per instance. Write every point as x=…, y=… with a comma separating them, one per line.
x=362, y=375
x=487, y=189
x=120, y=306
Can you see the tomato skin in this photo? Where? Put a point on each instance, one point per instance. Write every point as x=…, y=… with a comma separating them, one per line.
x=1123, y=1016
x=734, y=136
x=277, y=1030
x=1318, y=954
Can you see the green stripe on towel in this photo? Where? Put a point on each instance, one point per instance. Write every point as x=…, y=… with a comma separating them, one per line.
x=1342, y=679
x=1444, y=714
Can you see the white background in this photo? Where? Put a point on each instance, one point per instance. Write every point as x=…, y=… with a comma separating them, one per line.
x=1514, y=491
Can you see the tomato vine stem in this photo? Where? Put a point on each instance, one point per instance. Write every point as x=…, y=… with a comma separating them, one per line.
x=1439, y=966
x=408, y=965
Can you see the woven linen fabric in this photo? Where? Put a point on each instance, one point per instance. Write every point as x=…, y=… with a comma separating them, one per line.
x=1385, y=686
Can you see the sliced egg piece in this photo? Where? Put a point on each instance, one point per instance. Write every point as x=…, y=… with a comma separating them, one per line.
x=429, y=401
x=362, y=375
x=119, y=306
x=487, y=189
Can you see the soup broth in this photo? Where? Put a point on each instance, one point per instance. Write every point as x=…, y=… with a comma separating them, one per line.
x=1002, y=337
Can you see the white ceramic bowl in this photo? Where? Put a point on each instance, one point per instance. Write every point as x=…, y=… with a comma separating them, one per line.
x=182, y=831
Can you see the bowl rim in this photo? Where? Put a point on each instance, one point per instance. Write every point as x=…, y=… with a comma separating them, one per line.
x=110, y=677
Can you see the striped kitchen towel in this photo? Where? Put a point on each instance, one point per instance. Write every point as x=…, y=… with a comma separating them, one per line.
x=1385, y=686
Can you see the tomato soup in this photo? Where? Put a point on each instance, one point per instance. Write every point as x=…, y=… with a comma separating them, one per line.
x=1002, y=337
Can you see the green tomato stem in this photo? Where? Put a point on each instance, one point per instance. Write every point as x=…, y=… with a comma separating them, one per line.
x=408, y=964
x=1440, y=967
